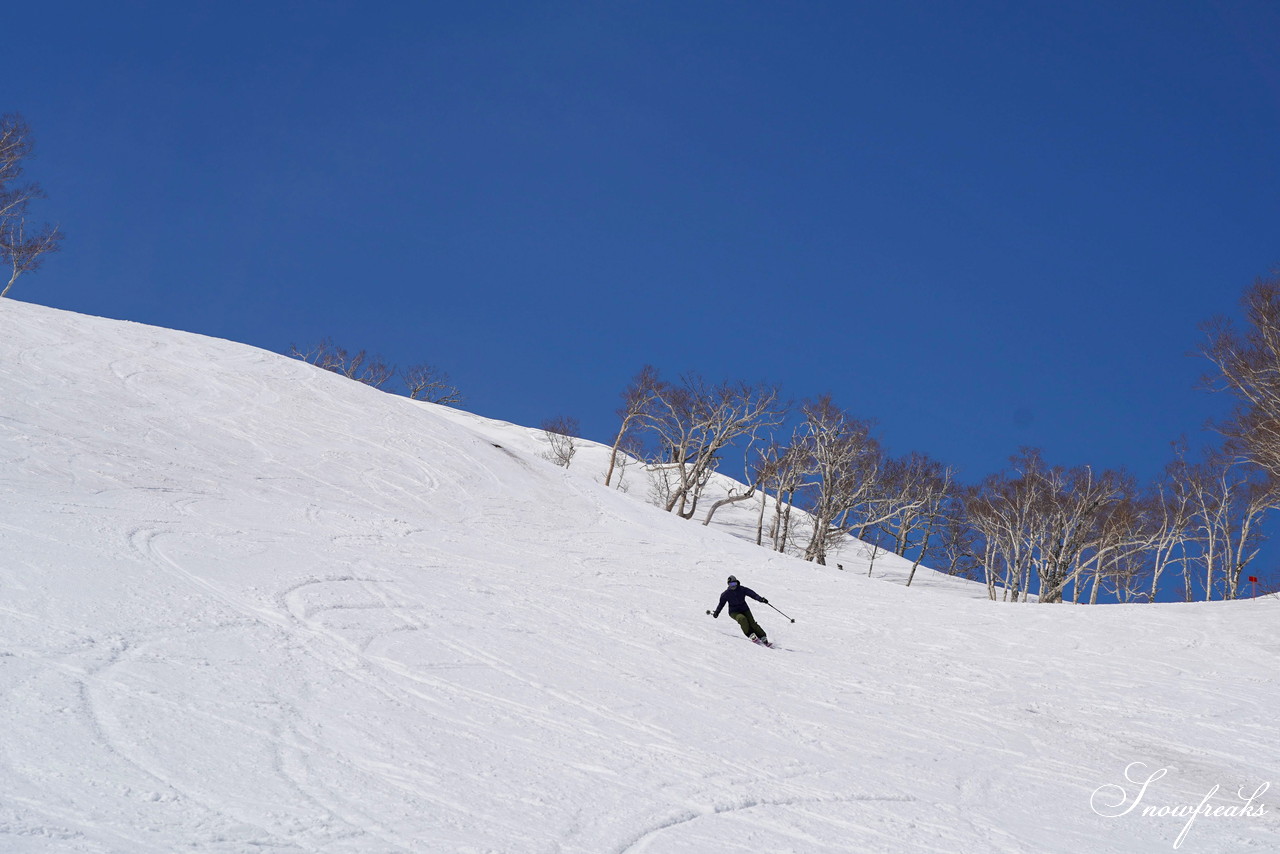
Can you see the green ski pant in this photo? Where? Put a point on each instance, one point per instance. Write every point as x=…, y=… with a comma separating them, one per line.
x=749, y=625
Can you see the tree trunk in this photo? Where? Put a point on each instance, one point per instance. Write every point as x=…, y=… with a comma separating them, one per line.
x=923, y=548
x=764, y=504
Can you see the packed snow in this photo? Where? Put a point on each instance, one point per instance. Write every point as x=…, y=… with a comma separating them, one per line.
x=248, y=605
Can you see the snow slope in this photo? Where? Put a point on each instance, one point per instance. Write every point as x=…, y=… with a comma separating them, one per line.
x=247, y=605
x=591, y=460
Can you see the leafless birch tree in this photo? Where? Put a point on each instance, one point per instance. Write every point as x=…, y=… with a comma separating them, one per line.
x=956, y=549
x=23, y=244
x=1001, y=509
x=780, y=468
x=694, y=423
x=1248, y=365
x=915, y=489
x=1166, y=510
x=560, y=433
x=429, y=383
x=636, y=399
x=845, y=462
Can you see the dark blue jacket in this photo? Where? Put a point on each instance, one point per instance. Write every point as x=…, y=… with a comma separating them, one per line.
x=736, y=598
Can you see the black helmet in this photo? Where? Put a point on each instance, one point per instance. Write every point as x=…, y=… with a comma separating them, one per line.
x=732, y=580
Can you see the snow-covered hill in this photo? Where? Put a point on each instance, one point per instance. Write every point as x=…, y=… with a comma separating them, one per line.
x=247, y=605
x=591, y=460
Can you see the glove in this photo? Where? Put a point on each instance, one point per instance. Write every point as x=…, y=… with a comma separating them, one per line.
x=765, y=601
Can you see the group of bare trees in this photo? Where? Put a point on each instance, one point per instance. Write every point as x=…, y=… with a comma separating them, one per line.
x=1035, y=531
x=23, y=244
x=830, y=468
x=839, y=473
x=420, y=382
x=1058, y=533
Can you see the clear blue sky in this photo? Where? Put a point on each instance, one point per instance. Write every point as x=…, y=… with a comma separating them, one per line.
x=982, y=224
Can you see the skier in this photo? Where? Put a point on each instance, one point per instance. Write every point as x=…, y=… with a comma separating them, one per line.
x=736, y=598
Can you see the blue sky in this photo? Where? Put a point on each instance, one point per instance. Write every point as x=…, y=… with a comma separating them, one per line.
x=982, y=224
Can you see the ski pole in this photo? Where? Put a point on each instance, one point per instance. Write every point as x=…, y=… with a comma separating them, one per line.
x=771, y=605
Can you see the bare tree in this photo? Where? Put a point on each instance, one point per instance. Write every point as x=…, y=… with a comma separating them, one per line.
x=1230, y=506
x=956, y=548
x=372, y=370
x=915, y=489
x=1257, y=498
x=627, y=454
x=694, y=422
x=783, y=470
x=1249, y=366
x=845, y=462
x=23, y=246
x=1167, y=514
x=429, y=383
x=636, y=399
x=560, y=433
x=780, y=468
x=911, y=491
x=1001, y=509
